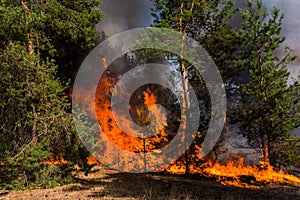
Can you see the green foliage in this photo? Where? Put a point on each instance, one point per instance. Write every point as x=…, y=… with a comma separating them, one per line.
x=269, y=108
x=205, y=21
x=287, y=152
x=59, y=30
x=38, y=38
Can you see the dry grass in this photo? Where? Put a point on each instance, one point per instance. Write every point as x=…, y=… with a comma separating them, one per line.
x=110, y=184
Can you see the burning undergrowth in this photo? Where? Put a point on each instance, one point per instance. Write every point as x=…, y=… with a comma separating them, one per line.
x=236, y=173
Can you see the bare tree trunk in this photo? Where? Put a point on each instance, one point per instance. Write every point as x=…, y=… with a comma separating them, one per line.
x=184, y=79
x=145, y=161
x=262, y=143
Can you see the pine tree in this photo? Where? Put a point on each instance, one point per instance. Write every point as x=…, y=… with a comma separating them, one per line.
x=269, y=108
x=207, y=23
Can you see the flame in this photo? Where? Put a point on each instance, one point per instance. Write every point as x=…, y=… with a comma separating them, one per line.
x=58, y=160
x=150, y=99
x=93, y=161
x=235, y=173
x=109, y=126
x=54, y=160
x=264, y=173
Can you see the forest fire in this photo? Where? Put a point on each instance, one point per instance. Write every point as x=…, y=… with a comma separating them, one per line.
x=234, y=173
x=141, y=109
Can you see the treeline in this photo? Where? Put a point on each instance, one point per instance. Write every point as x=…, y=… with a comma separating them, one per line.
x=41, y=39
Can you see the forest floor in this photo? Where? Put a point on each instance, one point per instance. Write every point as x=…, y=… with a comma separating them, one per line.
x=110, y=184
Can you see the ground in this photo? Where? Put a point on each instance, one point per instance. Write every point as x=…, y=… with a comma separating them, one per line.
x=110, y=184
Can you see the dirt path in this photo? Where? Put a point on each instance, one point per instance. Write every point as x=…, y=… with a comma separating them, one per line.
x=110, y=184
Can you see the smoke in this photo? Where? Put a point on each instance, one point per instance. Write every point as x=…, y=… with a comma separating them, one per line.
x=122, y=15
x=290, y=28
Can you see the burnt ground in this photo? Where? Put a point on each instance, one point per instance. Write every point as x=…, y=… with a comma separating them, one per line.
x=110, y=184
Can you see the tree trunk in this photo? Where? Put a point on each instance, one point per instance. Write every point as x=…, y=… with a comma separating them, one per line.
x=184, y=79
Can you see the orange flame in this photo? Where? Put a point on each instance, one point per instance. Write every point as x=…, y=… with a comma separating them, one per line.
x=58, y=160
x=235, y=173
x=113, y=132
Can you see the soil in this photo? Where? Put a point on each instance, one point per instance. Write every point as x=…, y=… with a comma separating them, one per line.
x=110, y=184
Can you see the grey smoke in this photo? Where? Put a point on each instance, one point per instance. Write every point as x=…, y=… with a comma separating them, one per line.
x=122, y=15
x=290, y=27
